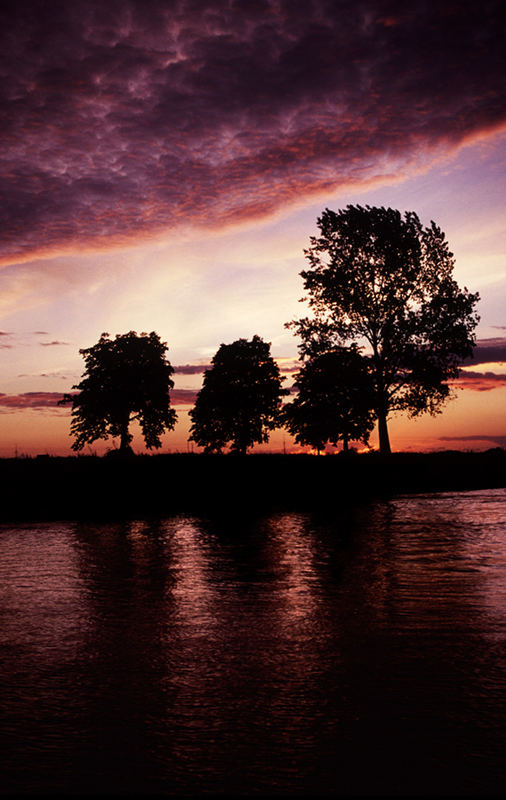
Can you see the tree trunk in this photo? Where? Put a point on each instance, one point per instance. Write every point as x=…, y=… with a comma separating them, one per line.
x=124, y=437
x=345, y=444
x=382, y=405
x=384, y=441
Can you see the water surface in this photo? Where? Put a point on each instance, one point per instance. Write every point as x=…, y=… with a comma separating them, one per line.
x=360, y=652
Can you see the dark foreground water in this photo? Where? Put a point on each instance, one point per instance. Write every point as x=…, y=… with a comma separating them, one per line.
x=358, y=653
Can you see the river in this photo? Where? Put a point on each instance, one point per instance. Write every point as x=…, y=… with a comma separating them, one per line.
x=355, y=652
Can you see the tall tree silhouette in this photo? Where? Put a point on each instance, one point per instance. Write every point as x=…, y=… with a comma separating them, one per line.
x=334, y=401
x=126, y=378
x=240, y=399
x=379, y=277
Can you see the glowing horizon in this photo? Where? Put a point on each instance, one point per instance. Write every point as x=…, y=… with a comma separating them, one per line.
x=163, y=170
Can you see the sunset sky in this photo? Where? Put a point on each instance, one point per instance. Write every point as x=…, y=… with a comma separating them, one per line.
x=163, y=165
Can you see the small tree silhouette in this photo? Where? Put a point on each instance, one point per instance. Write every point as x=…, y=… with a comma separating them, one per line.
x=240, y=399
x=127, y=378
x=334, y=401
x=377, y=276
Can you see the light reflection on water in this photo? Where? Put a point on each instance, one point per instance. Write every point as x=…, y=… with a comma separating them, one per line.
x=361, y=653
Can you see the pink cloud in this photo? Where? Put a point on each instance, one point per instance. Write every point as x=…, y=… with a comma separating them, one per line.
x=29, y=400
x=49, y=400
x=198, y=369
x=480, y=381
x=183, y=397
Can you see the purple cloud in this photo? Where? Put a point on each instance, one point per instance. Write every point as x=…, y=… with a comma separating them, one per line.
x=488, y=351
x=124, y=118
x=191, y=369
x=52, y=344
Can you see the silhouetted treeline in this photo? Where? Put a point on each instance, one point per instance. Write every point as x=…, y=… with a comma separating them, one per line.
x=80, y=487
x=376, y=277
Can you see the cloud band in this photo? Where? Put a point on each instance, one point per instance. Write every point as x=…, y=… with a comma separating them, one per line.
x=126, y=118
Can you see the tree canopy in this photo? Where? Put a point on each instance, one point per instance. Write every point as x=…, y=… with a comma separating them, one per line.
x=334, y=401
x=379, y=278
x=240, y=399
x=126, y=378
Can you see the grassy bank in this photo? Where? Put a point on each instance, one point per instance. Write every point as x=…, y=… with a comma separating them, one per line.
x=87, y=486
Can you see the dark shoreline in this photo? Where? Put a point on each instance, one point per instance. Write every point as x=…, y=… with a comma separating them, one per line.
x=87, y=487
